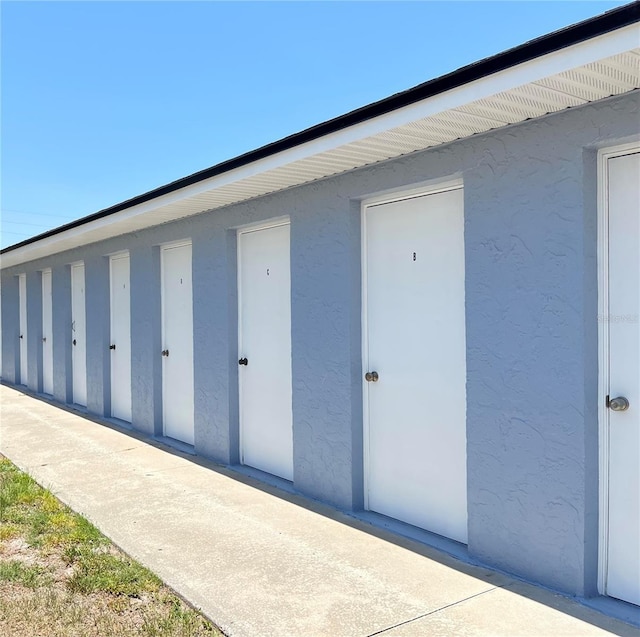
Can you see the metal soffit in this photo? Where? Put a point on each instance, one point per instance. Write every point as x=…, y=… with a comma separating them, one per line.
x=536, y=88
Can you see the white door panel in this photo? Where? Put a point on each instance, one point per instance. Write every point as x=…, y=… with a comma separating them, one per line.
x=47, y=333
x=265, y=341
x=78, y=336
x=120, y=346
x=22, y=291
x=177, y=339
x=415, y=341
x=623, y=558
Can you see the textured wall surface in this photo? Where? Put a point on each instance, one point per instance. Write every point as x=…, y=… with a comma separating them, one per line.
x=216, y=352
x=34, y=330
x=531, y=315
x=61, y=319
x=146, y=372
x=531, y=249
x=98, y=371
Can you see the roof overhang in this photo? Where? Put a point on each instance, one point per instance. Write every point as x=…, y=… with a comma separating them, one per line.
x=569, y=76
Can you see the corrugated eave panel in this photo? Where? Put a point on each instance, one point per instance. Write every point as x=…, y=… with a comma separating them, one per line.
x=610, y=77
x=605, y=78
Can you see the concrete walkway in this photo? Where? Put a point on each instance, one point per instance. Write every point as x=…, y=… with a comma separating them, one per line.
x=260, y=562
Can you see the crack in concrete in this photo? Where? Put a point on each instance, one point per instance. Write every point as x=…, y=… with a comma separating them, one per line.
x=432, y=612
x=88, y=457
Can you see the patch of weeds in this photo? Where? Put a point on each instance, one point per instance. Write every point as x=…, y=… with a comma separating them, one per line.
x=176, y=619
x=20, y=573
x=18, y=492
x=64, y=528
x=70, y=554
x=8, y=531
x=54, y=613
x=118, y=575
x=119, y=604
x=22, y=501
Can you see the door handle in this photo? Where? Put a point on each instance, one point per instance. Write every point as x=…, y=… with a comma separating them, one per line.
x=74, y=341
x=44, y=339
x=243, y=361
x=618, y=404
x=371, y=377
x=112, y=346
x=20, y=335
x=165, y=352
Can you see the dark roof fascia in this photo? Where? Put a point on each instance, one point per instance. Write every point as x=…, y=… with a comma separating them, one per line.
x=568, y=36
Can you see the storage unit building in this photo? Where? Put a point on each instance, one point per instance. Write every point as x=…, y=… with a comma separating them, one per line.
x=426, y=309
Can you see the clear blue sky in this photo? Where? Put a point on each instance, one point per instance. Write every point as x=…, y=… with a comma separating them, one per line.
x=102, y=101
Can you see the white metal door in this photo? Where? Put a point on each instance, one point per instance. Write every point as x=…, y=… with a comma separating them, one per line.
x=415, y=412
x=78, y=335
x=47, y=333
x=623, y=546
x=177, y=339
x=120, y=346
x=22, y=291
x=265, y=348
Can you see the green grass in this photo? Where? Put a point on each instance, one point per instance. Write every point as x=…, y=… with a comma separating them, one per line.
x=175, y=621
x=30, y=510
x=114, y=574
x=69, y=580
x=24, y=574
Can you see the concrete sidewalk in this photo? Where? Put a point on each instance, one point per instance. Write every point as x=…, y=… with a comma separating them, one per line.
x=261, y=562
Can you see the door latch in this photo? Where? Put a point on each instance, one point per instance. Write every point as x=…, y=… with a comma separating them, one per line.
x=618, y=404
x=243, y=361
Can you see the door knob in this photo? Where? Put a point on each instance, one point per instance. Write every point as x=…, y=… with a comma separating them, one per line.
x=44, y=339
x=112, y=346
x=618, y=404
x=165, y=352
x=243, y=361
x=74, y=341
x=20, y=335
x=371, y=377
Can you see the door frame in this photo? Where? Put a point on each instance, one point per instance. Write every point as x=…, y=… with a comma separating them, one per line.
x=256, y=227
x=163, y=247
x=366, y=204
x=603, y=351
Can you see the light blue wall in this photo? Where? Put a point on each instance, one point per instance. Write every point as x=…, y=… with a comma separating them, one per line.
x=216, y=355
x=146, y=374
x=531, y=313
x=61, y=319
x=34, y=331
x=96, y=285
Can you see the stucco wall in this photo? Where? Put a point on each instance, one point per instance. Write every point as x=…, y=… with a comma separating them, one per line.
x=531, y=294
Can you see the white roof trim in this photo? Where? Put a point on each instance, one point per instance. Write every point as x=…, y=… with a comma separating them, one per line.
x=594, y=69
